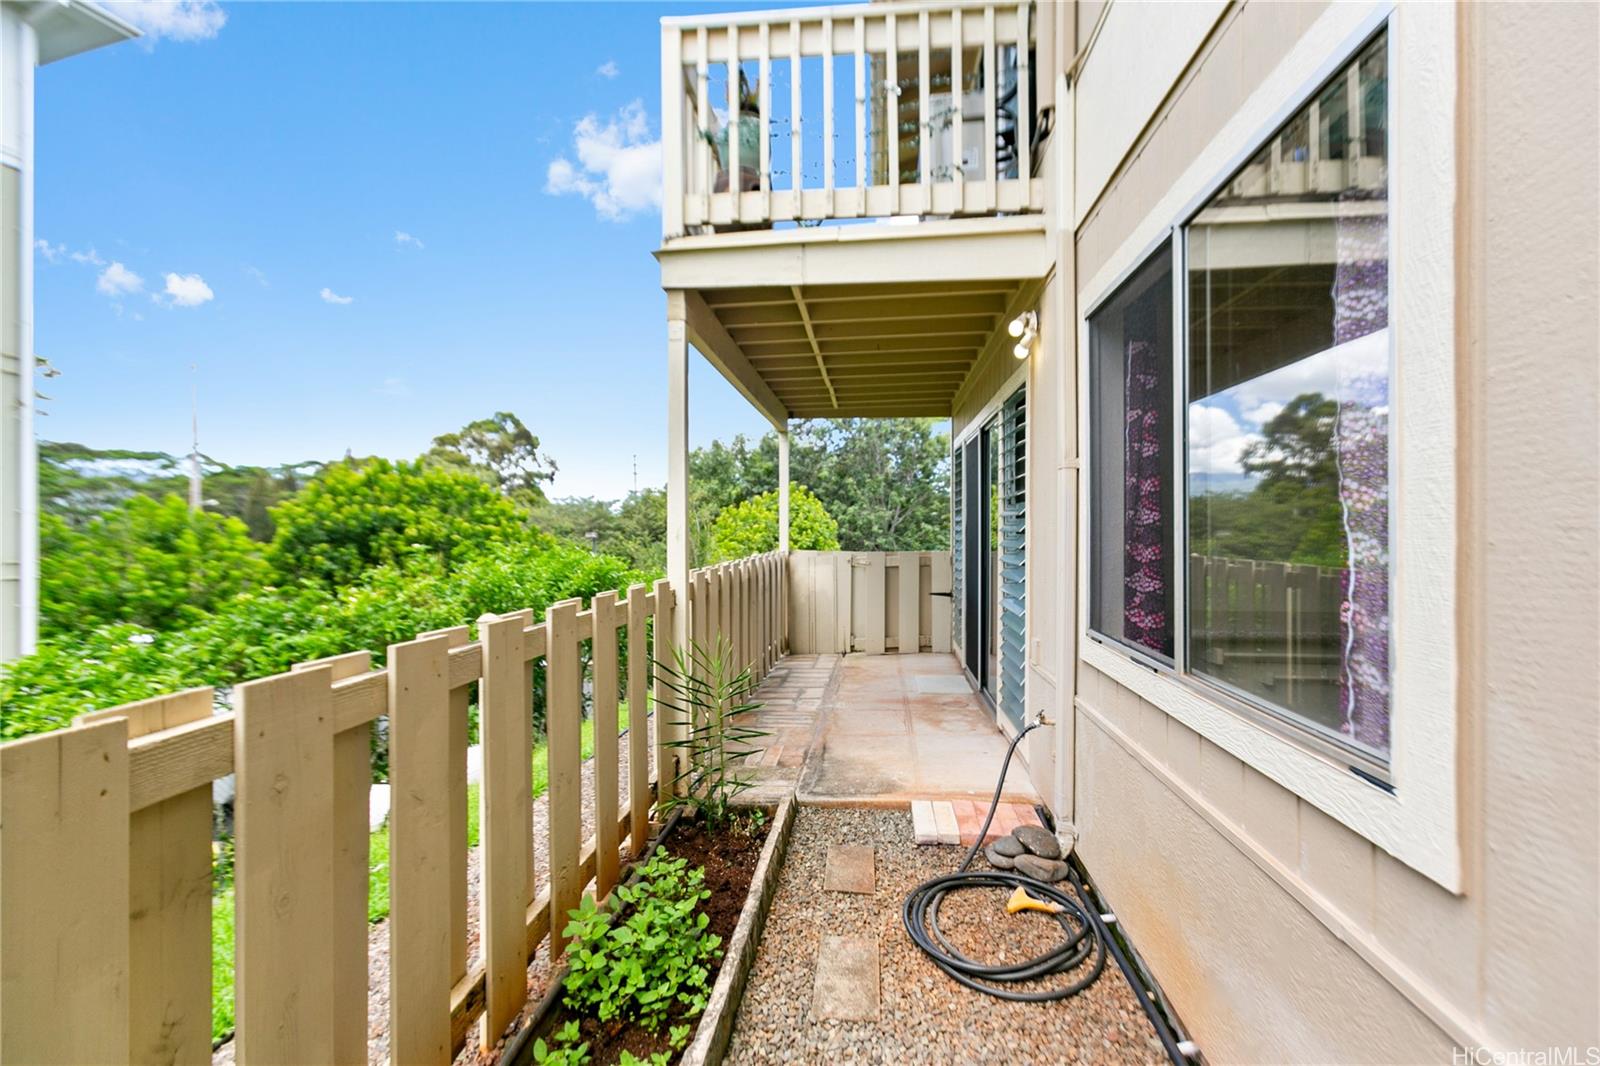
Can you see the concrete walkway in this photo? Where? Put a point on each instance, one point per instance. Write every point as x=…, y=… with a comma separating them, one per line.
x=878, y=730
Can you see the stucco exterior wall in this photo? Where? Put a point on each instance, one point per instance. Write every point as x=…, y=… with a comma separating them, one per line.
x=1280, y=934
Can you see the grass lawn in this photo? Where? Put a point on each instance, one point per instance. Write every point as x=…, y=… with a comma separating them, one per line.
x=377, y=883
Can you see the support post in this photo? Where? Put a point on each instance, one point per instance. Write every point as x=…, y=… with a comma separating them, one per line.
x=677, y=489
x=783, y=487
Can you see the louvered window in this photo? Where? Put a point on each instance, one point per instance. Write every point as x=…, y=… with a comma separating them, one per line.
x=957, y=552
x=1013, y=501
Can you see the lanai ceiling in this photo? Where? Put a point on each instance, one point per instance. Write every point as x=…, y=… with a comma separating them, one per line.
x=863, y=351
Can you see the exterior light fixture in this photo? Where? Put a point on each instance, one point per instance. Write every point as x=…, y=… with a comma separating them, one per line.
x=1025, y=327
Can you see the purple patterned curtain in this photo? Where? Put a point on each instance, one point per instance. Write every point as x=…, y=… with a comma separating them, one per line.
x=1361, y=441
x=1146, y=399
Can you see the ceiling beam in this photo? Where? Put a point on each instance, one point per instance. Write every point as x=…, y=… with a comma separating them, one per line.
x=720, y=350
x=816, y=349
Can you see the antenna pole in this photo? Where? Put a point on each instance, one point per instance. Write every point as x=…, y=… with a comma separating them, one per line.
x=195, y=499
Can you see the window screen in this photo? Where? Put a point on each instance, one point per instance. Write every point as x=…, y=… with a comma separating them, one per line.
x=1288, y=417
x=1013, y=555
x=1131, y=490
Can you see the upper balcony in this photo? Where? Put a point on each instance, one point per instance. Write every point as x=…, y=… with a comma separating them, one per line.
x=864, y=112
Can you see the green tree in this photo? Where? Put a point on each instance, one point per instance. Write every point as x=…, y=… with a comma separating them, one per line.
x=750, y=527
x=501, y=450
x=147, y=562
x=358, y=516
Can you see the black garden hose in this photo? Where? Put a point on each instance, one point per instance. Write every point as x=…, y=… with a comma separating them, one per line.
x=1082, y=949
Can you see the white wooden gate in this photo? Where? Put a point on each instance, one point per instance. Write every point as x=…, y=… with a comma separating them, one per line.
x=872, y=602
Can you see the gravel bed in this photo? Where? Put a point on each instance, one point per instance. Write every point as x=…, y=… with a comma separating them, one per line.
x=924, y=1016
x=538, y=969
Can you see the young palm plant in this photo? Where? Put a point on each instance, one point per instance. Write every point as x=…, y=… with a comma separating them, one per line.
x=708, y=694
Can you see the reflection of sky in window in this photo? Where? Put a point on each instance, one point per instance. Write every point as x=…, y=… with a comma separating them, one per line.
x=1222, y=425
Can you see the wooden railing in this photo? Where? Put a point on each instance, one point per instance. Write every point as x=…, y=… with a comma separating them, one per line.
x=939, y=113
x=106, y=836
x=871, y=602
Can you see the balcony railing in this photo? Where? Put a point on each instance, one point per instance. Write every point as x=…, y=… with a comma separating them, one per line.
x=866, y=111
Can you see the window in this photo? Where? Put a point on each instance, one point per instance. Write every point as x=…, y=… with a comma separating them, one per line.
x=1288, y=423
x=1131, y=479
x=1282, y=521
x=1013, y=520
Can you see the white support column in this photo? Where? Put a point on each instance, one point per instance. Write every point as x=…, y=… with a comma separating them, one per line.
x=678, y=463
x=783, y=487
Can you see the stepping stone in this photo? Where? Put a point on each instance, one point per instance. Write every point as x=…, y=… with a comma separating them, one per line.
x=944, y=816
x=1009, y=846
x=850, y=869
x=846, y=988
x=924, y=828
x=997, y=858
x=1047, y=870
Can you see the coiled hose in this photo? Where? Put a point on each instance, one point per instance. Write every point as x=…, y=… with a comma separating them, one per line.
x=1083, y=943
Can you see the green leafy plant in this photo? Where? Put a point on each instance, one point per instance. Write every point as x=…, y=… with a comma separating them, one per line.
x=566, y=1052
x=649, y=959
x=708, y=695
x=659, y=1058
x=750, y=526
x=678, y=1036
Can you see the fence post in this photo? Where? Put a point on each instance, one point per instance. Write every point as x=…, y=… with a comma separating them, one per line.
x=169, y=901
x=420, y=838
x=603, y=659
x=563, y=719
x=504, y=708
x=664, y=652
x=352, y=792
x=284, y=868
x=64, y=965
x=460, y=702
x=638, y=719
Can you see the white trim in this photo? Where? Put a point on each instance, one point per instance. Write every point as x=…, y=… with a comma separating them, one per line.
x=1417, y=823
x=1016, y=380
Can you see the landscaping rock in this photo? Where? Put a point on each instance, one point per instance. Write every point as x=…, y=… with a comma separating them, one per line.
x=1038, y=840
x=997, y=858
x=1040, y=869
x=1009, y=846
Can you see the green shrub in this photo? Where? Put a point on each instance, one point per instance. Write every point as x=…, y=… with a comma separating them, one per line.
x=352, y=518
x=750, y=526
x=651, y=964
x=565, y=1052
x=147, y=562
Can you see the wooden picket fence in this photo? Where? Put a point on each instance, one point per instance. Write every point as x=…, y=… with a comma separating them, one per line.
x=869, y=602
x=106, y=830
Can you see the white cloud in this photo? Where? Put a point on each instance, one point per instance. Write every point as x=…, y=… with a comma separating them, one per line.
x=89, y=258
x=402, y=239
x=331, y=297
x=1263, y=412
x=608, y=69
x=180, y=20
x=117, y=280
x=259, y=275
x=394, y=387
x=53, y=253
x=185, y=290
x=1216, y=440
x=618, y=168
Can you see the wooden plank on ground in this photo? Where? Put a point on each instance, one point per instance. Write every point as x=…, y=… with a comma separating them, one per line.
x=64, y=964
x=460, y=702
x=910, y=589
x=869, y=601
x=562, y=721
x=939, y=575
x=604, y=664
x=507, y=815
x=420, y=774
x=284, y=868
x=638, y=719
x=169, y=901
x=352, y=797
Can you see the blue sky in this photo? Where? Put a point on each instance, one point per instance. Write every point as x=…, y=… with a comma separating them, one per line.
x=253, y=167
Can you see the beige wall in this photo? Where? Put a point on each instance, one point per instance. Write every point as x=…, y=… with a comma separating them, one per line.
x=1280, y=934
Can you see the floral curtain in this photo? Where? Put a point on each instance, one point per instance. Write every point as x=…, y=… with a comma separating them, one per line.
x=1146, y=611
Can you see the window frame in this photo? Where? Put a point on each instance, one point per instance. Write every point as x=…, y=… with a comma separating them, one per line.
x=1409, y=806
